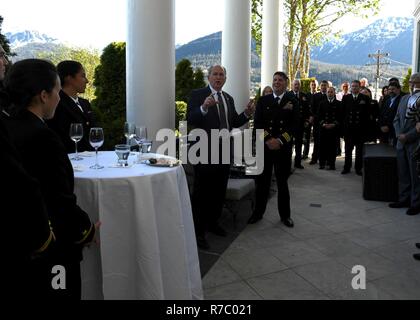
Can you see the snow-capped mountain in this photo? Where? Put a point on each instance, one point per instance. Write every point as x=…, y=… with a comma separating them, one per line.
x=393, y=35
x=20, y=39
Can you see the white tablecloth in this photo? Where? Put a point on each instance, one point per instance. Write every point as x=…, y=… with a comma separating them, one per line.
x=147, y=240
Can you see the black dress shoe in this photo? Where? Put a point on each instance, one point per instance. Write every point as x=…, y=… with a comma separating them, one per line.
x=304, y=157
x=331, y=168
x=299, y=166
x=399, y=204
x=416, y=256
x=288, y=222
x=418, y=245
x=359, y=173
x=202, y=243
x=218, y=231
x=413, y=211
x=254, y=219
x=321, y=167
x=313, y=162
x=345, y=171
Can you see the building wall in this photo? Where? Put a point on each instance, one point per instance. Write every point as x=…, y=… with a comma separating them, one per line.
x=416, y=39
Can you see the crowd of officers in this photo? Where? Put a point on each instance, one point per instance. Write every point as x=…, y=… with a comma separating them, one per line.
x=326, y=116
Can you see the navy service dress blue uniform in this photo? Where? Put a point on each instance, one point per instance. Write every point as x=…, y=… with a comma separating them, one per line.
x=278, y=118
x=304, y=114
x=356, y=118
x=329, y=114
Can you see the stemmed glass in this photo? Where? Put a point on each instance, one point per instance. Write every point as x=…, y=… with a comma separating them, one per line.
x=140, y=137
x=96, y=140
x=129, y=131
x=76, y=134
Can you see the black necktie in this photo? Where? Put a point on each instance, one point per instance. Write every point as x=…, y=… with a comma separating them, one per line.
x=222, y=112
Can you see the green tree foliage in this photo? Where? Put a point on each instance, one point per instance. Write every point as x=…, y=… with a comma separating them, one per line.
x=110, y=102
x=180, y=112
x=186, y=80
x=256, y=21
x=90, y=59
x=309, y=23
x=4, y=42
x=305, y=84
x=406, y=86
x=199, y=79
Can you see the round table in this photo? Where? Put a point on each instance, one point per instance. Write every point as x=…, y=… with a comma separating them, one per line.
x=147, y=242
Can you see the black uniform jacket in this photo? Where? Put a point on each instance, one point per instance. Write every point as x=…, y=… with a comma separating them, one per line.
x=68, y=112
x=276, y=119
x=44, y=157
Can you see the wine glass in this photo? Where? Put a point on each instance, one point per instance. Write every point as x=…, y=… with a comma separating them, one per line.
x=76, y=134
x=140, y=137
x=96, y=140
x=129, y=131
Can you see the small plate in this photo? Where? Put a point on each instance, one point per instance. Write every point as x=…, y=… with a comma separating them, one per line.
x=162, y=164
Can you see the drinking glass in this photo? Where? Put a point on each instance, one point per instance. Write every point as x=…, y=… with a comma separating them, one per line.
x=129, y=131
x=76, y=134
x=122, y=151
x=96, y=140
x=147, y=146
x=140, y=138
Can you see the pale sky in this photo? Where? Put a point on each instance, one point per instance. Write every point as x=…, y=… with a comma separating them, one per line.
x=96, y=23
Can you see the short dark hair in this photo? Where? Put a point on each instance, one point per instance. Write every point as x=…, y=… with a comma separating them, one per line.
x=325, y=82
x=395, y=84
x=68, y=68
x=356, y=81
x=281, y=74
x=393, y=80
x=26, y=79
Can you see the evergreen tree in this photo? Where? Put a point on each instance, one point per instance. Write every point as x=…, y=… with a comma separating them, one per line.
x=110, y=102
x=4, y=42
x=199, y=79
x=184, y=80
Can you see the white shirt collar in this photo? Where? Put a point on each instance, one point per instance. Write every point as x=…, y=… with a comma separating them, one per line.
x=280, y=96
x=213, y=91
x=76, y=100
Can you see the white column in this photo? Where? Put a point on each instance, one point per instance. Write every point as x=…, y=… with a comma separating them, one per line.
x=416, y=38
x=272, y=40
x=151, y=64
x=236, y=50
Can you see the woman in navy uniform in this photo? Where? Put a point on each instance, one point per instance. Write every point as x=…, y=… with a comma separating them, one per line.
x=72, y=108
x=277, y=115
x=33, y=88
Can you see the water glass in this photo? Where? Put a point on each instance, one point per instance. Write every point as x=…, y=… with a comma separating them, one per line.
x=122, y=151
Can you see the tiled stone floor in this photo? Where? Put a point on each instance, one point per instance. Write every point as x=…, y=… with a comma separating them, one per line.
x=314, y=259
